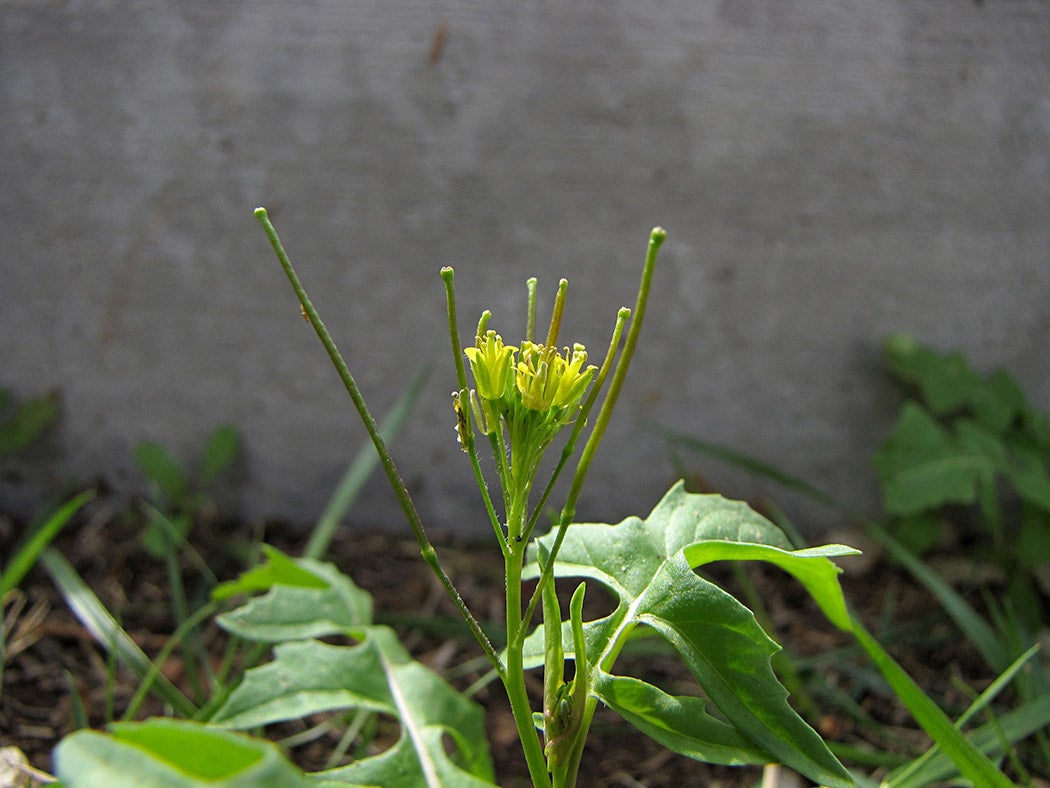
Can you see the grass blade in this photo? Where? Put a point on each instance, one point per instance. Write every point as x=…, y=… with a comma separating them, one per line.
x=745, y=462
x=29, y=552
x=929, y=767
x=992, y=647
x=90, y=611
x=969, y=760
x=360, y=469
x=1014, y=725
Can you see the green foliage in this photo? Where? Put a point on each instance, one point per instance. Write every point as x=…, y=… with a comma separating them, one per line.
x=102, y=625
x=220, y=452
x=28, y=553
x=297, y=589
x=968, y=435
x=168, y=753
x=26, y=556
x=179, y=494
x=521, y=404
x=304, y=600
x=649, y=564
x=376, y=675
x=22, y=424
x=969, y=441
x=164, y=471
x=278, y=570
x=971, y=433
x=969, y=438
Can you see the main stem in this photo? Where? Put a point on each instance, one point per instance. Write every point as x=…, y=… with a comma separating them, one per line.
x=514, y=680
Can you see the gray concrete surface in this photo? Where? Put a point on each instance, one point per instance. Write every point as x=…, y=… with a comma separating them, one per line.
x=827, y=172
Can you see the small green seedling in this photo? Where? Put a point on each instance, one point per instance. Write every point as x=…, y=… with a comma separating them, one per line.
x=22, y=424
x=180, y=495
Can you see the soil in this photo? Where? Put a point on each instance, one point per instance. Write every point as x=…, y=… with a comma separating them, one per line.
x=54, y=666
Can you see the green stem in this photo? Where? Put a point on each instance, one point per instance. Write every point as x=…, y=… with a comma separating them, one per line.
x=448, y=275
x=514, y=680
x=499, y=452
x=581, y=693
x=396, y=483
x=581, y=418
x=554, y=654
x=656, y=239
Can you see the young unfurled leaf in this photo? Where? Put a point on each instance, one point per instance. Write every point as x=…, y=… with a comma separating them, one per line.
x=279, y=569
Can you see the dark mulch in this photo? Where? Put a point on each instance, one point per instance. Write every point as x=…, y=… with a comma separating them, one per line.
x=50, y=655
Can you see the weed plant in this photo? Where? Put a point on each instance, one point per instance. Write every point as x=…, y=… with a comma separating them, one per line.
x=527, y=397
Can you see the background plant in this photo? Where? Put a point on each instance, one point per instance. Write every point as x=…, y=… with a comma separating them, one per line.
x=970, y=440
x=180, y=497
x=22, y=423
x=210, y=682
x=969, y=457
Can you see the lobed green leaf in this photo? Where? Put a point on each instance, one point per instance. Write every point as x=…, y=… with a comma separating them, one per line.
x=923, y=466
x=376, y=675
x=278, y=569
x=949, y=385
x=680, y=723
x=649, y=564
x=310, y=599
x=306, y=599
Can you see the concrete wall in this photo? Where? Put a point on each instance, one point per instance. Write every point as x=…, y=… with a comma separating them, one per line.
x=827, y=172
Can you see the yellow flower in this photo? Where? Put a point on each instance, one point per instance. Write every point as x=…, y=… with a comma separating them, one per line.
x=491, y=362
x=573, y=380
x=547, y=380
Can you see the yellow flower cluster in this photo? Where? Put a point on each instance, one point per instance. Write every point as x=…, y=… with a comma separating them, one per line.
x=541, y=376
x=548, y=380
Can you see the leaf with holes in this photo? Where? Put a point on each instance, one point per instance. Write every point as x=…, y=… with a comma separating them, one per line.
x=377, y=675
x=309, y=599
